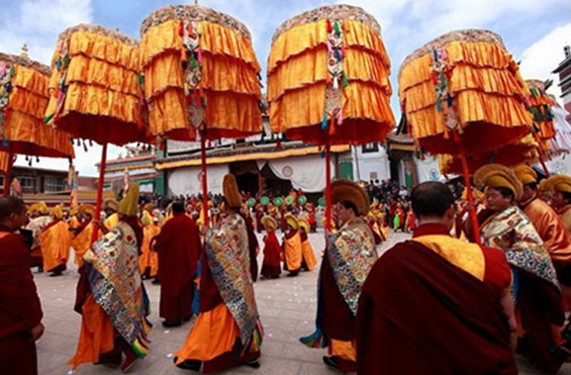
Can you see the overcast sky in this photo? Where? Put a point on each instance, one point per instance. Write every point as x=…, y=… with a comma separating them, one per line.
x=534, y=31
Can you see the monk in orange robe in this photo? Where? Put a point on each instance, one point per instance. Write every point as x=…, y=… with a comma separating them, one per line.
x=56, y=241
x=308, y=262
x=291, y=245
x=83, y=234
x=271, y=268
x=179, y=247
x=149, y=259
x=545, y=220
x=20, y=311
x=228, y=330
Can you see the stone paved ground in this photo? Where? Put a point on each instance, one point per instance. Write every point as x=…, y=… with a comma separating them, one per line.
x=287, y=307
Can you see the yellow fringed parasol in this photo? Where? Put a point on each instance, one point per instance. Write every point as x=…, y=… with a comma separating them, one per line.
x=462, y=93
x=96, y=90
x=23, y=100
x=328, y=80
x=201, y=77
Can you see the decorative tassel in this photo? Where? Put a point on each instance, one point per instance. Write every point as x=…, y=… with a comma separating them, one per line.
x=66, y=61
x=84, y=146
x=199, y=55
x=337, y=28
x=324, y=121
x=439, y=106
x=140, y=79
x=90, y=143
x=329, y=28
x=4, y=142
x=180, y=28
x=338, y=54
x=340, y=118
x=335, y=83
x=37, y=159
x=345, y=80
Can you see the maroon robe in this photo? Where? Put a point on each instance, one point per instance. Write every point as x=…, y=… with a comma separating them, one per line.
x=272, y=250
x=178, y=246
x=420, y=314
x=20, y=308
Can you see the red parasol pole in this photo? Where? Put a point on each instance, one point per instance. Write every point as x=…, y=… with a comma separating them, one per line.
x=204, y=177
x=466, y=172
x=100, y=190
x=327, y=183
x=7, y=176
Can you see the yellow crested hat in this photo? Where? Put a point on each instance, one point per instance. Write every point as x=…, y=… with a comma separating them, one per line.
x=269, y=222
x=559, y=183
x=88, y=209
x=129, y=205
x=345, y=190
x=303, y=223
x=146, y=219
x=498, y=175
x=112, y=204
x=57, y=212
x=43, y=208
x=231, y=192
x=291, y=220
x=148, y=207
x=525, y=174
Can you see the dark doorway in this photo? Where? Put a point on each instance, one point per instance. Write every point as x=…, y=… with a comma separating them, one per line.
x=247, y=176
x=273, y=184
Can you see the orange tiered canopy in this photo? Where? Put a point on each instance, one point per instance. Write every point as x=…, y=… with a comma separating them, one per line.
x=464, y=81
x=329, y=65
x=95, y=89
x=200, y=73
x=23, y=101
x=522, y=151
x=540, y=108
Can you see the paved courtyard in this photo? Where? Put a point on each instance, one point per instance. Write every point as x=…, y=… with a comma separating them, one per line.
x=287, y=307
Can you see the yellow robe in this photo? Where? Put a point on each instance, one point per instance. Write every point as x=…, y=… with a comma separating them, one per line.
x=551, y=230
x=308, y=254
x=148, y=257
x=112, y=221
x=293, y=252
x=56, y=241
x=82, y=242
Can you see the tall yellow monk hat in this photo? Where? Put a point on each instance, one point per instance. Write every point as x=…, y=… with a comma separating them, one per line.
x=291, y=220
x=303, y=223
x=57, y=212
x=87, y=209
x=146, y=219
x=112, y=204
x=525, y=174
x=498, y=175
x=231, y=192
x=560, y=183
x=269, y=222
x=129, y=205
x=43, y=208
x=345, y=190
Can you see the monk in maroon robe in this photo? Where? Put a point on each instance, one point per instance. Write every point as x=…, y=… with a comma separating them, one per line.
x=435, y=304
x=271, y=265
x=179, y=247
x=20, y=308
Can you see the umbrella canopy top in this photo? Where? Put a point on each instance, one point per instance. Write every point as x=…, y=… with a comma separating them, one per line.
x=200, y=74
x=464, y=82
x=328, y=78
x=332, y=13
x=195, y=13
x=95, y=86
x=466, y=35
x=23, y=100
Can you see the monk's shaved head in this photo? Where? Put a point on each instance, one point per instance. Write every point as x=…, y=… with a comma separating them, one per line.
x=10, y=205
x=431, y=199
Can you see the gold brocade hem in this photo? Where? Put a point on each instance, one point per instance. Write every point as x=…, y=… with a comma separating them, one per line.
x=103, y=74
x=31, y=80
x=104, y=48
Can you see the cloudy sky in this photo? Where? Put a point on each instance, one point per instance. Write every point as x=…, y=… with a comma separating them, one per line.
x=534, y=31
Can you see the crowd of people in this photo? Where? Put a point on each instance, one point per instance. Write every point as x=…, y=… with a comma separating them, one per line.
x=499, y=287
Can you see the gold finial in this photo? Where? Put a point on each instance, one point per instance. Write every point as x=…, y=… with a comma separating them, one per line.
x=24, y=52
x=195, y=2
